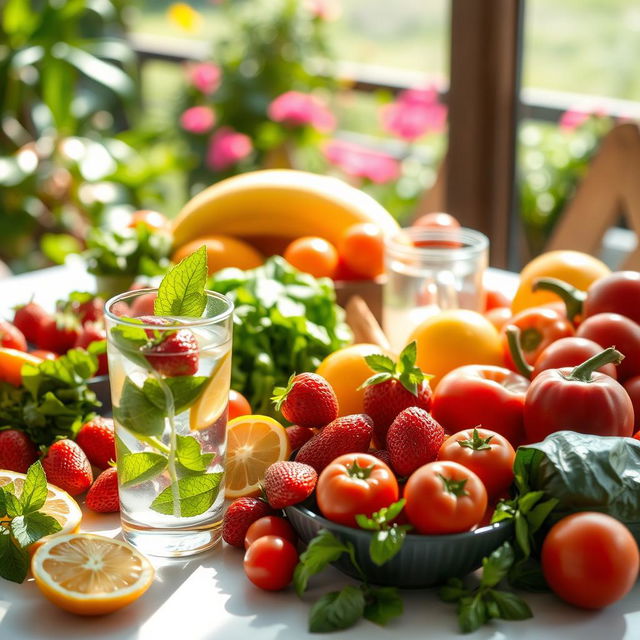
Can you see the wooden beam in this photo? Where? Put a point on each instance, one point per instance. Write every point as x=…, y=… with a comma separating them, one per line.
x=483, y=98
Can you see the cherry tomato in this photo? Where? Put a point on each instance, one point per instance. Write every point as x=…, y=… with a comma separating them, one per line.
x=238, y=405
x=362, y=249
x=590, y=560
x=154, y=220
x=270, y=526
x=436, y=220
x=488, y=454
x=632, y=387
x=355, y=483
x=570, y=352
x=313, y=255
x=270, y=562
x=444, y=497
x=499, y=316
x=495, y=298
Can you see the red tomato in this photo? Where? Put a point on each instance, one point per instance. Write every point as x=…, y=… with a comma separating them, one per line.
x=498, y=316
x=154, y=220
x=361, y=247
x=444, y=497
x=488, y=454
x=495, y=298
x=270, y=562
x=270, y=526
x=570, y=352
x=481, y=394
x=436, y=220
x=238, y=405
x=590, y=560
x=355, y=483
x=632, y=387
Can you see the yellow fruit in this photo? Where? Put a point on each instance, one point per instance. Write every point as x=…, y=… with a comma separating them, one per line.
x=215, y=397
x=11, y=361
x=451, y=339
x=578, y=269
x=281, y=203
x=89, y=574
x=59, y=504
x=253, y=444
x=345, y=370
x=222, y=252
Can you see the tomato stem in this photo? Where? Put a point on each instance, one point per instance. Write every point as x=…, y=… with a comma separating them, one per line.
x=582, y=372
x=356, y=471
x=513, y=340
x=476, y=442
x=572, y=297
x=454, y=486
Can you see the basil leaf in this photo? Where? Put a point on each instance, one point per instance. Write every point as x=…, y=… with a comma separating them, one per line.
x=190, y=456
x=337, y=610
x=537, y=516
x=497, y=565
x=382, y=604
x=392, y=511
x=365, y=522
x=14, y=560
x=29, y=528
x=529, y=500
x=511, y=606
x=34, y=491
x=472, y=613
x=196, y=495
x=181, y=292
x=453, y=590
x=527, y=574
x=135, y=468
x=386, y=544
x=137, y=413
x=522, y=534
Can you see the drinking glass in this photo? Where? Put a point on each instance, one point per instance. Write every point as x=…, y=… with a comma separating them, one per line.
x=430, y=270
x=169, y=381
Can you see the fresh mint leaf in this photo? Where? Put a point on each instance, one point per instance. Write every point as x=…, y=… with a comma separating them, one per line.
x=29, y=528
x=185, y=390
x=386, y=544
x=190, y=456
x=130, y=341
x=382, y=604
x=3, y=504
x=472, y=613
x=497, y=565
x=380, y=363
x=196, y=495
x=510, y=606
x=97, y=347
x=137, y=413
x=14, y=560
x=13, y=505
x=337, y=610
x=135, y=468
x=408, y=357
x=181, y=292
x=34, y=491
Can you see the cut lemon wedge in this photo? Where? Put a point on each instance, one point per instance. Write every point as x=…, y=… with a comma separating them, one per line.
x=214, y=398
x=59, y=504
x=253, y=444
x=89, y=574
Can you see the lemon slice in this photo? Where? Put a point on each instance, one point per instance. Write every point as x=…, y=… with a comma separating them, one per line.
x=89, y=574
x=253, y=444
x=214, y=398
x=59, y=504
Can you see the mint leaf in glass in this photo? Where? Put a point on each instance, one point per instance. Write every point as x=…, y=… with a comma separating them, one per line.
x=196, y=495
x=135, y=468
x=184, y=389
x=190, y=456
x=137, y=413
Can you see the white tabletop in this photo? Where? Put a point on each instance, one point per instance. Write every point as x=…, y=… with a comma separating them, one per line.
x=208, y=596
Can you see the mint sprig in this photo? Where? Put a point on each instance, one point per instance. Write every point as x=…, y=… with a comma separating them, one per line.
x=388, y=538
x=195, y=494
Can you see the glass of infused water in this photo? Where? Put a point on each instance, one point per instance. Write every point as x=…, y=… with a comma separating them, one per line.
x=169, y=381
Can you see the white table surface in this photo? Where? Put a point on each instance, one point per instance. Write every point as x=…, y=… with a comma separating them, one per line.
x=208, y=596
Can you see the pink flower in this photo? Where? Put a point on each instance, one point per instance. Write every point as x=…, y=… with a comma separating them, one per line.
x=204, y=76
x=198, y=119
x=414, y=113
x=362, y=162
x=298, y=109
x=226, y=148
x=574, y=118
x=324, y=9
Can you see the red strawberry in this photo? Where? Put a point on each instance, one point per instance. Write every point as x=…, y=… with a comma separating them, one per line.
x=92, y=332
x=287, y=483
x=103, y=494
x=143, y=305
x=29, y=318
x=58, y=333
x=96, y=438
x=11, y=337
x=348, y=434
x=239, y=516
x=394, y=387
x=308, y=400
x=90, y=310
x=17, y=452
x=382, y=454
x=298, y=436
x=414, y=438
x=66, y=466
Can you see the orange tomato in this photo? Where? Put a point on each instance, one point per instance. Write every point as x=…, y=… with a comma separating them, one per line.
x=313, y=255
x=152, y=219
x=11, y=361
x=362, y=248
x=238, y=405
x=436, y=220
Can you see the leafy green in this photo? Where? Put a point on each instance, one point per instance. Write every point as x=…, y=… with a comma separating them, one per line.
x=337, y=610
x=382, y=604
x=284, y=321
x=135, y=468
x=190, y=456
x=195, y=495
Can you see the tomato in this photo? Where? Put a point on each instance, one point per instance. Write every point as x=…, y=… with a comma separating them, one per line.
x=444, y=497
x=362, y=249
x=436, y=220
x=154, y=220
x=312, y=255
x=590, y=560
x=270, y=526
x=270, y=562
x=488, y=454
x=479, y=394
x=498, y=316
x=238, y=405
x=632, y=387
x=570, y=352
x=355, y=483
x=494, y=299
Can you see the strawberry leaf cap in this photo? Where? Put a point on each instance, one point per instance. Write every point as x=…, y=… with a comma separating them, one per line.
x=280, y=393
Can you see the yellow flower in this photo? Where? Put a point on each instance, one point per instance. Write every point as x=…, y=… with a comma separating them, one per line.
x=184, y=16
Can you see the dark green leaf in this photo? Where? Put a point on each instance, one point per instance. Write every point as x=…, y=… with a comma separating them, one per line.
x=382, y=604
x=511, y=607
x=190, y=456
x=497, y=565
x=31, y=527
x=196, y=495
x=14, y=560
x=472, y=613
x=540, y=513
x=453, y=590
x=386, y=544
x=522, y=534
x=337, y=610
x=135, y=468
x=3, y=504
x=527, y=574
x=137, y=413
x=34, y=490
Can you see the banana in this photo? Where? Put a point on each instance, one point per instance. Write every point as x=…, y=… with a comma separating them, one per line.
x=279, y=203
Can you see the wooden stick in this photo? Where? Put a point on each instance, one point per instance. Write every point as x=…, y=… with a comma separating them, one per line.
x=363, y=323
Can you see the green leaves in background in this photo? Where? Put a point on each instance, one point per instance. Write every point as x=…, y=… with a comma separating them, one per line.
x=196, y=494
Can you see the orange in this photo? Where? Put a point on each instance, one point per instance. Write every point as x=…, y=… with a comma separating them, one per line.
x=89, y=574
x=578, y=269
x=452, y=339
x=11, y=361
x=312, y=255
x=154, y=220
x=253, y=444
x=345, y=370
x=362, y=248
x=222, y=252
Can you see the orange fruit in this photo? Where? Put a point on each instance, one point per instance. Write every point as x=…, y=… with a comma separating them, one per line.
x=253, y=444
x=89, y=574
x=222, y=252
x=154, y=220
x=312, y=255
x=11, y=361
x=345, y=370
x=362, y=248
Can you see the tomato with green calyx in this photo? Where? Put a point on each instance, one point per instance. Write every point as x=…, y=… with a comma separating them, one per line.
x=270, y=562
x=355, y=483
x=270, y=526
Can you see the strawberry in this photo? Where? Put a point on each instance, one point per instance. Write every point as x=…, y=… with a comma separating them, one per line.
x=287, y=483
x=96, y=438
x=143, y=305
x=29, y=318
x=298, y=436
x=58, y=333
x=93, y=332
x=11, y=337
x=239, y=516
x=383, y=455
x=66, y=466
x=394, y=387
x=90, y=310
x=308, y=400
x=103, y=494
x=414, y=438
x=17, y=452
x=348, y=434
